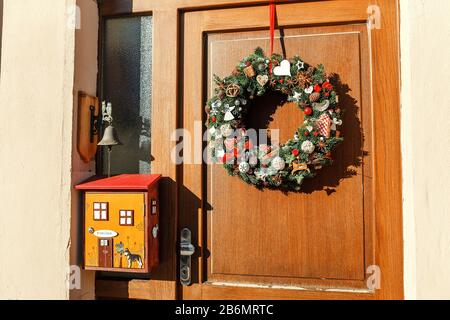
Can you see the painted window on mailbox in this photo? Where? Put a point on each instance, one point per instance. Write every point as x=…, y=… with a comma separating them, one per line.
x=101, y=211
x=126, y=217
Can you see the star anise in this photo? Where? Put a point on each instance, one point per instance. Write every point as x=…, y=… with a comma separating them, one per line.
x=292, y=82
x=310, y=71
x=236, y=72
x=303, y=80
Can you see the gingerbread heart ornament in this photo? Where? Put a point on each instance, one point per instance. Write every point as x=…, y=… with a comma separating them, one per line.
x=262, y=79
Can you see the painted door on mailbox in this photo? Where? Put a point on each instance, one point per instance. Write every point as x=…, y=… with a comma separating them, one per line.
x=105, y=252
x=322, y=242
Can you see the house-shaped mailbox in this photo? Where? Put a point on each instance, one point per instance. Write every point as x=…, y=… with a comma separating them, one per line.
x=121, y=223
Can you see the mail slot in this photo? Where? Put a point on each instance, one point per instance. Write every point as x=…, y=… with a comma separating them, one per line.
x=121, y=223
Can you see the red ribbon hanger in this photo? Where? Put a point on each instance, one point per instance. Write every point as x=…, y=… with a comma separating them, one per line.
x=272, y=9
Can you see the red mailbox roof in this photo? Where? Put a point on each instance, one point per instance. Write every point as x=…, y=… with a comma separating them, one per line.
x=122, y=182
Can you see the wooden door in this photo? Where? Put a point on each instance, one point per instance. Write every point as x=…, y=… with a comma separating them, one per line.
x=105, y=252
x=326, y=241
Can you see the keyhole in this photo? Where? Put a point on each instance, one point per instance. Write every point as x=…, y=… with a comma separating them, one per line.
x=184, y=273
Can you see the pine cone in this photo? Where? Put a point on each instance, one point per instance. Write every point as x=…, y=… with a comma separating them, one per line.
x=314, y=97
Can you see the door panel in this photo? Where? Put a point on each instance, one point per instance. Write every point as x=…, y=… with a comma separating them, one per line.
x=294, y=237
x=315, y=244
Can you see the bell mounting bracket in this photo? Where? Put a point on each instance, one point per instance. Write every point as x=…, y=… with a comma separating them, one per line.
x=94, y=124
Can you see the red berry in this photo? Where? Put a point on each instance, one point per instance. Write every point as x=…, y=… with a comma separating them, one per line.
x=308, y=111
x=306, y=133
x=315, y=133
x=213, y=119
x=281, y=81
x=248, y=63
x=317, y=88
x=327, y=85
x=295, y=152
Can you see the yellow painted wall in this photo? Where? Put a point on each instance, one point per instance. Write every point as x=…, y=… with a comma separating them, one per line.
x=131, y=236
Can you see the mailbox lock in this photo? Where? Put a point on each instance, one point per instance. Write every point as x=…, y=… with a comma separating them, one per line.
x=155, y=231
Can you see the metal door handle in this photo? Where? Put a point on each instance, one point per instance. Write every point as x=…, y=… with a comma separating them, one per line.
x=186, y=251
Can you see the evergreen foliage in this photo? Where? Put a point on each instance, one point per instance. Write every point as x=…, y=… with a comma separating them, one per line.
x=309, y=87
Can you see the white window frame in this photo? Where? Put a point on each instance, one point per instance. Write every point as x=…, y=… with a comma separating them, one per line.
x=126, y=218
x=101, y=211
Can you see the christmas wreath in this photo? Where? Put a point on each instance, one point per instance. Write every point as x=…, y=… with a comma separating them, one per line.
x=265, y=166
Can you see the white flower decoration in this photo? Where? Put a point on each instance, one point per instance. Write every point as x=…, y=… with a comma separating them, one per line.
x=244, y=167
x=308, y=147
x=278, y=163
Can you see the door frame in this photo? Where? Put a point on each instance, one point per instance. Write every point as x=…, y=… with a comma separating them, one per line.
x=386, y=156
x=166, y=108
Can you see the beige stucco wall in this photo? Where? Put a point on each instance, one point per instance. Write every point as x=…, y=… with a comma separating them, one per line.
x=1, y=26
x=425, y=42
x=86, y=43
x=35, y=149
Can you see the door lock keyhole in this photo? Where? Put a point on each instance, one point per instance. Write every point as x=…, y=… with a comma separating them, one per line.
x=186, y=251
